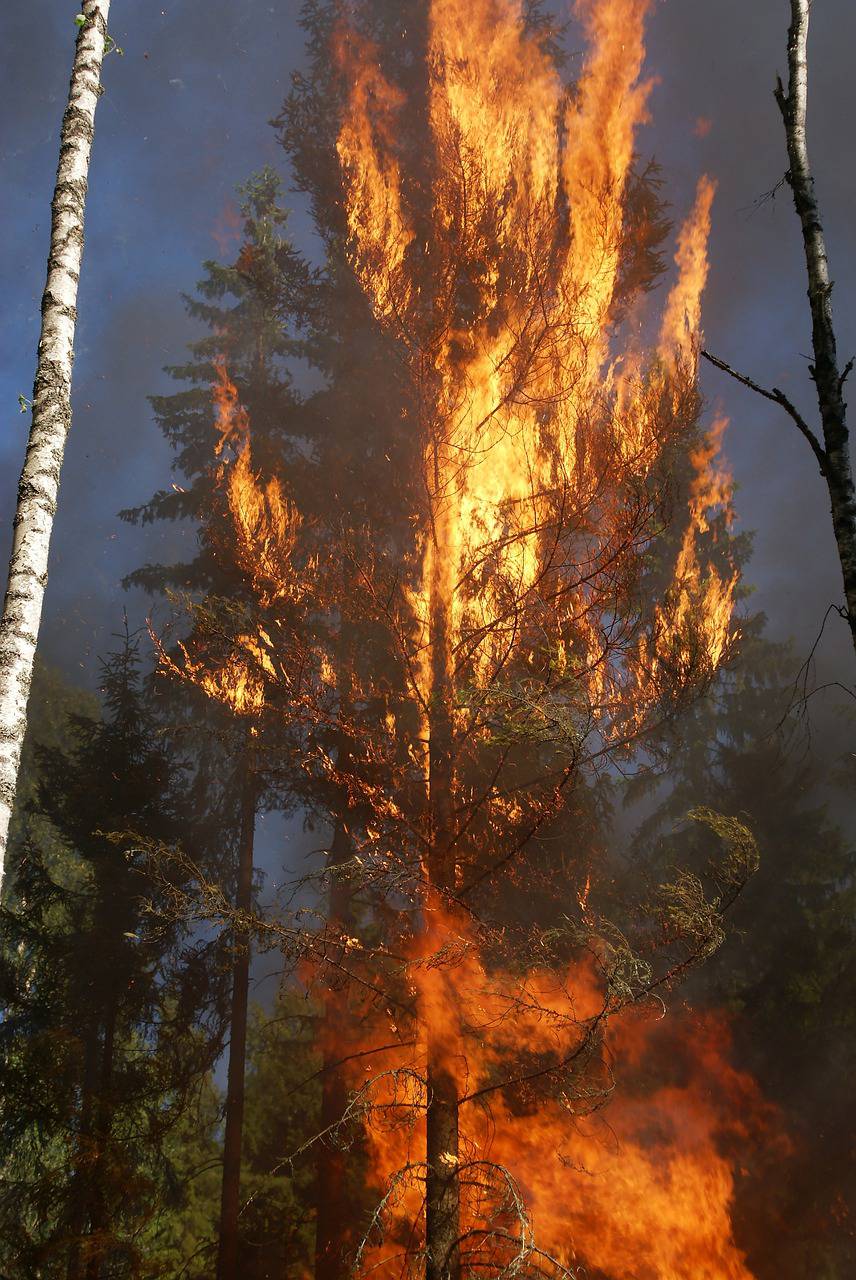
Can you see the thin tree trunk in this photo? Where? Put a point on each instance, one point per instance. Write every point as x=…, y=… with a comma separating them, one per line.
x=332, y=1234
x=82, y=1179
x=442, y=1191
x=98, y=1223
x=832, y=447
x=827, y=376
x=51, y=411
x=230, y=1201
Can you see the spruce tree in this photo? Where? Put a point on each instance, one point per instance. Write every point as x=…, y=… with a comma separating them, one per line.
x=112, y=1020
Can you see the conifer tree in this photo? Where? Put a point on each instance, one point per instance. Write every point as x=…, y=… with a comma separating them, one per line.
x=112, y=1019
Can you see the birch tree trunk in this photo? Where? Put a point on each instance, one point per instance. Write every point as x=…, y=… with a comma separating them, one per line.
x=832, y=447
x=828, y=377
x=51, y=411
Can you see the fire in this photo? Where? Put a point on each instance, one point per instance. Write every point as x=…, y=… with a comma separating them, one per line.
x=534, y=430
x=238, y=683
x=495, y=259
x=266, y=525
x=264, y=531
x=232, y=422
x=684, y=640
x=640, y=1191
x=682, y=316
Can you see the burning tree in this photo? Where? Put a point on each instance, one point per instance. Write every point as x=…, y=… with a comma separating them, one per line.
x=519, y=636
x=496, y=261
x=246, y=357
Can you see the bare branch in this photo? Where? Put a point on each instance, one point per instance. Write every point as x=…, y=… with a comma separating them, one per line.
x=778, y=397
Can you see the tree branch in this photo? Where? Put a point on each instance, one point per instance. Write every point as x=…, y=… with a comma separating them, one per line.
x=778, y=397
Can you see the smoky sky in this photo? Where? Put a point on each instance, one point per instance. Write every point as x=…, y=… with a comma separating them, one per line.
x=184, y=118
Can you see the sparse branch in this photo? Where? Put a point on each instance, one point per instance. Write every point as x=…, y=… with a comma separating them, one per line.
x=777, y=397
x=833, y=454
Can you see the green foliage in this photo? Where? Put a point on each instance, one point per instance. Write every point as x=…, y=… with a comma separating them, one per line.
x=108, y=1025
x=53, y=707
x=283, y=1095
x=180, y=1239
x=252, y=308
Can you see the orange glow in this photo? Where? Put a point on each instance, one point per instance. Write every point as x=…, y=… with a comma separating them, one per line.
x=682, y=317
x=691, y=635
x=640, y=1191
x=238, y=683
x=497, y=263
x=232, y=422
x=266, y=526
x=547, y=441
x=535, y=427
x=264, y=533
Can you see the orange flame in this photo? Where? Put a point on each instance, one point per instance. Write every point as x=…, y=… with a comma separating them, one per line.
x=238, y=683
x=531, y=432
x=232, y=422
x=265, y=527
x=696, y=622
x=640, y=1190
x=501, y=278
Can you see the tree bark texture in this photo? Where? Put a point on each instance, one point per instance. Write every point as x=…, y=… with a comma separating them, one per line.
x=51, y=409
x=79, y=1214
x=99, y=1223
x=442, y=1191
x=825, y=371
x=88, y=1218
x=230, y=1199
x=333, y=1222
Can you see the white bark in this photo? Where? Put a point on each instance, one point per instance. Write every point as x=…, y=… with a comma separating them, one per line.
x=51, y=411
x=828, y=377
x=832, y=447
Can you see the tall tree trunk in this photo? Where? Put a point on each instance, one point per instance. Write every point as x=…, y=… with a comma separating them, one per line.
x=827, y=376
x=332, y=1234
x=230, y=1201
x=442, y=1192
x=98, y=1221
x=88, y=1213
x=51, y=412
x=79, y=1214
